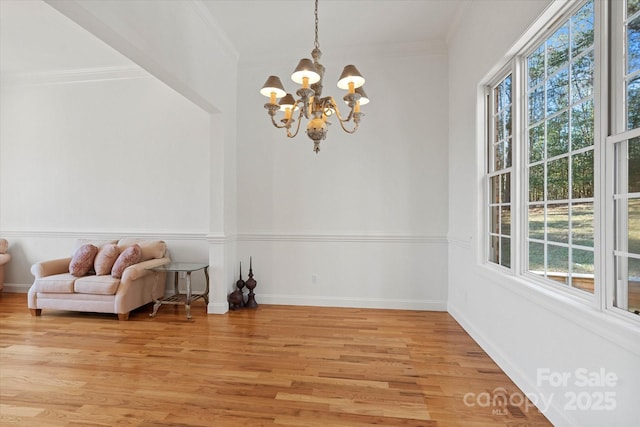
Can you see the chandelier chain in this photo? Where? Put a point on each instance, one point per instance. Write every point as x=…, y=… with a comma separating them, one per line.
x=316, y=44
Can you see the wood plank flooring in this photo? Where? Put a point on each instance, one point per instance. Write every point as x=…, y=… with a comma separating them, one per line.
x=273, y=366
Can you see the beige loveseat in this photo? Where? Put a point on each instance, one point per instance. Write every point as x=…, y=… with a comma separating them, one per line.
x=56, y=288
x=4, y=258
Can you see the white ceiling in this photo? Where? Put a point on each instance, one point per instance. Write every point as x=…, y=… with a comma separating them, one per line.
x=35, y=37
x=259, y=26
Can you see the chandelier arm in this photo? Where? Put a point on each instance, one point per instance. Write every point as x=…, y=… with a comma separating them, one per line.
x=334, y=106
x=276, y=124
x=289, y=134
x=342, y=122
x=305, y=107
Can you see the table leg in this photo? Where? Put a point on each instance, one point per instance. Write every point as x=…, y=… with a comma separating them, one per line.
x=175, y=283
x=187, y=303
x=156, y=306
x=206, y=292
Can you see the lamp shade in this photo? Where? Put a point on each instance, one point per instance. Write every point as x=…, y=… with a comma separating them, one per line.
x=350, y=74
x=273, y=84
x=288, y=102
x=305, y=68
x=364, y=99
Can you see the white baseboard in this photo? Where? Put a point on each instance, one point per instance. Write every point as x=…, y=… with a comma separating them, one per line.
x=16, y=288
x=218, y=307
x=318, y=301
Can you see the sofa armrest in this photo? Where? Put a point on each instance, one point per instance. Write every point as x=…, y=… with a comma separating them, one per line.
x=4, y=258
x=140, y=269
x=51, y=267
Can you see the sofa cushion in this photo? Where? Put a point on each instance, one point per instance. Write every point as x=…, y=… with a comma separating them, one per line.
x=95, y=242
x=57, y=283
x=127, y=257
x=105, y=258
x=100, y=285
x=151, y=249
x=82, y=260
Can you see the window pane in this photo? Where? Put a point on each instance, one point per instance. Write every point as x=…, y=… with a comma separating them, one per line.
x=634, y=285
x=558, y=135
x=499, y=156
x=633, y=45
x=629, y=273
x=582, y=270
x=558, y=223
x=505, y=220
x=494, y=183
x=536, y=105
x=582, y=78
x=582, y=29
x=499, y=127
x=558, y=92
x=634, y=226
x=536, y=143
x=505, y=252
x=558, y=49
x=582, y=175
x=557, y=263
x=507, y=122
x=558, y=179
x=494, y=249
x=495, y=220
x=582, y=125
x=582, y=261
x=505, y=93
x=507, y=152
x=633, y=165
x=633, y=103
x=536, y=257
x=582, y=224
x=535, y=67
x=632, y=7
x=505, y=180
x=536, y=183
x=536, y=222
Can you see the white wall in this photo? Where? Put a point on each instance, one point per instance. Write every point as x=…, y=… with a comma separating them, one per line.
x=118, y=157
x=180, y=44
x=520, y=326
x=363, y=222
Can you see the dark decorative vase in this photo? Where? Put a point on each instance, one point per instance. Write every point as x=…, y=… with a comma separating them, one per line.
x=236, y=298
x=251, y=285
x=240, y=284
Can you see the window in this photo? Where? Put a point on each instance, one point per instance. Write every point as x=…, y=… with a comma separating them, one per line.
x=563, y=164
x=560, y=121
x=500, y=155
x=626, y=149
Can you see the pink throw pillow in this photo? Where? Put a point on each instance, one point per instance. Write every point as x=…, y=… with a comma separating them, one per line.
x=82, y=260
x=127, y=257
x=107, y=256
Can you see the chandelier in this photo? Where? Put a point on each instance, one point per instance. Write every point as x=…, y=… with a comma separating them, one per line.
x=310, y=103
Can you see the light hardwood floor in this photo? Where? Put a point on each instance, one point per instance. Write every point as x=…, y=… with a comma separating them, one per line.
x=276, y=365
